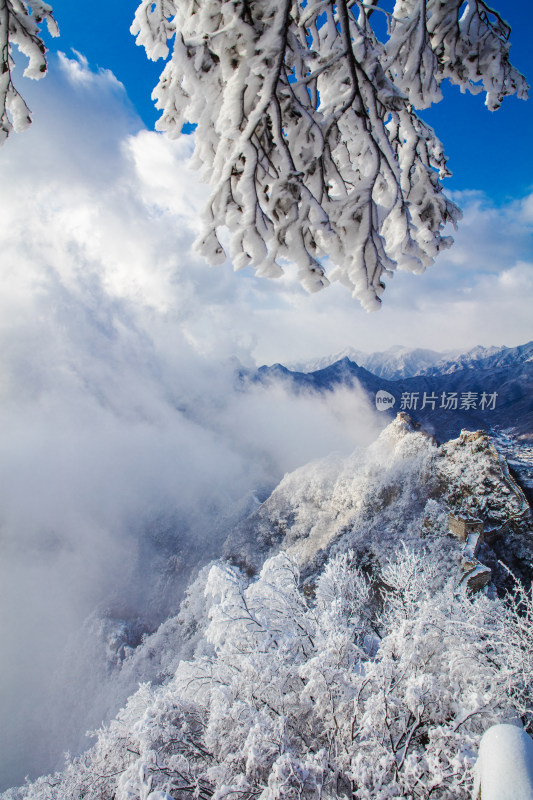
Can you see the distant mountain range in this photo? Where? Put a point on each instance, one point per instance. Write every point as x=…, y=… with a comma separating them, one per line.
x=484, y=388
x=404, y=362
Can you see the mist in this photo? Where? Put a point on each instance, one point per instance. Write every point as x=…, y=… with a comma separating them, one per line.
x=129, y=446
x=115, y=485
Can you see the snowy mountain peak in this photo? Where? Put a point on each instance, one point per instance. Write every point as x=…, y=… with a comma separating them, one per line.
x=403, y=436
x=400, y=426
x=401, y=487
x=404, y=362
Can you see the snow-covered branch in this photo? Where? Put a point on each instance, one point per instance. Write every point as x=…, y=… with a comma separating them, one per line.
x=20, y=25
x=307, y=130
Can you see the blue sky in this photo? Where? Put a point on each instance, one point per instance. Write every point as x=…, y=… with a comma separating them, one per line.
x=487, y=151
x=104, y=38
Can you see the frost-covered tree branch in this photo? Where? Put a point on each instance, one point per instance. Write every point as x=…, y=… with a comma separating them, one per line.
x=20, y=25
x=307, y=125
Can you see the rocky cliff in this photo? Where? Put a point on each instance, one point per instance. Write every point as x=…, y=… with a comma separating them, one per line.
x=401, y=489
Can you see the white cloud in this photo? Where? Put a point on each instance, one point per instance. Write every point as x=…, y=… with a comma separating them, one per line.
x=153, y=206
x=526, y=208
x=78, y=71
x=164, y=179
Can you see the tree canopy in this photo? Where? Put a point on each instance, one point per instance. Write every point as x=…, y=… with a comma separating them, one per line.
x=360, y=690
x=307, y=121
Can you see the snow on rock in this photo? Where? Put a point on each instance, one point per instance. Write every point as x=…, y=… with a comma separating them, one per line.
x=476, y=578
x=504, y=769
x=476, y=482
x=380, y=489
x=398, y=489
x=470, y=550
x=518, y=453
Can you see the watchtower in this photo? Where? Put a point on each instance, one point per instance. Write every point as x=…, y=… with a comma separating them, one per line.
x=462, y=527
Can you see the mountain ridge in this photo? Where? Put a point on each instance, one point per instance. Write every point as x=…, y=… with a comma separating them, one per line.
x=487, y=388
x=403, y=362
x=404, y=481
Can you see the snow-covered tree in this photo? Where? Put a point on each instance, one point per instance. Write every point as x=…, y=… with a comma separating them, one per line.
x=307, y=124
x=19, y=25
x=356, y=689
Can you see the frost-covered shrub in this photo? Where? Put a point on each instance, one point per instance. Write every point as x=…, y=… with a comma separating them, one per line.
x=328, y=695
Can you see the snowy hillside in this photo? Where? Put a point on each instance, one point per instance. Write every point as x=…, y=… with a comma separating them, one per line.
x=483, y=358
x=333, y=651
x=519, y=456
x=400, y=488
